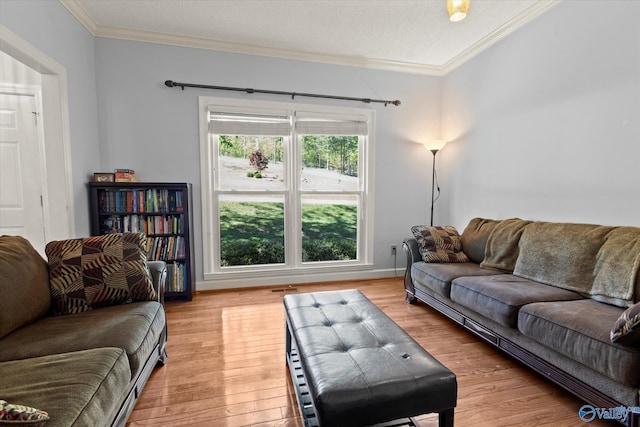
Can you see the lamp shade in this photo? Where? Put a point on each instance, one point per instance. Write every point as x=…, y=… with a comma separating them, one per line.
x=435, y=144
x=457, y=9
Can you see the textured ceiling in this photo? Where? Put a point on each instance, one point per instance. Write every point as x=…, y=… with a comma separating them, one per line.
x=404, y=35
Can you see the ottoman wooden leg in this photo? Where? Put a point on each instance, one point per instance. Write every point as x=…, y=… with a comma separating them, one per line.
x=445, y=418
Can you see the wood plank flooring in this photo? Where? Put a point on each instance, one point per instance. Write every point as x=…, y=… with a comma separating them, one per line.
x=227, y=367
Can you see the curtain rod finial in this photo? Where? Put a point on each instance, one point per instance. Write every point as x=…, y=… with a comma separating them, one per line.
x=169, y=83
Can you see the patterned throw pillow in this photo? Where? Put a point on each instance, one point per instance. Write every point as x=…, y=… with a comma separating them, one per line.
x=626, y=330
x=11, y=414
x=439, y=244
x=98, y=271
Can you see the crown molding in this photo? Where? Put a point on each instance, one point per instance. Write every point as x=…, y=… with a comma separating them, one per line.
x=250, y=49
x=528, y=15
x=81, y=14
x=97, y=30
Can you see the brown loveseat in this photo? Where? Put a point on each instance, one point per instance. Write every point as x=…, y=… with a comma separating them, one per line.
x=562, y=298
x=80, y=336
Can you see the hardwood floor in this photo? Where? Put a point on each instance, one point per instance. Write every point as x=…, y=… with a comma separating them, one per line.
x=227, y=367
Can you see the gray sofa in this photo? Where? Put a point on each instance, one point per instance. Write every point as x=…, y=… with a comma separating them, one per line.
x=86, y=368
x=562, y=298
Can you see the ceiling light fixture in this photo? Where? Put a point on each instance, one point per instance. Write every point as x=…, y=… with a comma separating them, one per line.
x=457, y=9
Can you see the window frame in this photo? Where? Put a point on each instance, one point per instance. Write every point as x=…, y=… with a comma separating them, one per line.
x=292, y=193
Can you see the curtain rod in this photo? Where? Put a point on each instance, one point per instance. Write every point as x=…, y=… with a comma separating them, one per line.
x=171, y=83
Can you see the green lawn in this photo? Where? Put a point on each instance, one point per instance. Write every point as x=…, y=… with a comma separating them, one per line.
x=253, y=232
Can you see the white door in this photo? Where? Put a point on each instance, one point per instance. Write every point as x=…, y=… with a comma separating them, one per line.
x=21, y=211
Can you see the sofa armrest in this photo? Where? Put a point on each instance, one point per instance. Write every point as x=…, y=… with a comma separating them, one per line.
x=410, y=247
x=158, y=270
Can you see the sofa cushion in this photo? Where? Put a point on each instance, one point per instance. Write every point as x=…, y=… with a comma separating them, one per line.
x=84, y=388
x=560, y=254
x=439, y=244
x=500, y=297
x=616, y=274
x=24, y=284
x=438, y=277
x=475, y=236
x=14, y=414
x=501, y=251
x=98, y=271
x=580, y=330
x=134, y=327
x=626, y=330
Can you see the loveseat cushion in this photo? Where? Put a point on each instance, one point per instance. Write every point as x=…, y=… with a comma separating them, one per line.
x=84, y=388
x=439, y=244
x=24, y=284
x=98, y=271
x=135, y=327
x=580, y=330
x=500, y=297
x=438, y=277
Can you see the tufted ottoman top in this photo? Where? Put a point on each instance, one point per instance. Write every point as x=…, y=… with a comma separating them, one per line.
x=361, y=367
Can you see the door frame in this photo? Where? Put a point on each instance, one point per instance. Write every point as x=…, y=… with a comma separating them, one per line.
x=59, y=219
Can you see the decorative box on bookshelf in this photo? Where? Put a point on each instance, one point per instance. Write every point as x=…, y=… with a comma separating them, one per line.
x=162, y=211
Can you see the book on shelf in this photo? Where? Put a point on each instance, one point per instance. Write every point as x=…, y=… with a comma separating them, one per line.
x=149, y=225
x=176, y=277
x=168, y=248
x=179, y=207
x=140, y=201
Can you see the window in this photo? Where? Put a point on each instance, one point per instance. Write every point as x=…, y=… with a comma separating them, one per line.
x=285, y=187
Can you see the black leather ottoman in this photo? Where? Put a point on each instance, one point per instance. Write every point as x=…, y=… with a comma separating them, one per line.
x=354, y=366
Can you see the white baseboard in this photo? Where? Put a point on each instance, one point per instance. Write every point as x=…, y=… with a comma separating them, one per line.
x=302, y=279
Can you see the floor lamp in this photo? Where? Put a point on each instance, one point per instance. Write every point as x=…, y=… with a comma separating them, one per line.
x=434, y=146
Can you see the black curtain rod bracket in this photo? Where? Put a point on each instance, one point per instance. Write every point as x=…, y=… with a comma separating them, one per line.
x=171, y=83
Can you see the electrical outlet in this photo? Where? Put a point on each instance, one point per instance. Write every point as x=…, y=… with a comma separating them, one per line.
x=393, y=249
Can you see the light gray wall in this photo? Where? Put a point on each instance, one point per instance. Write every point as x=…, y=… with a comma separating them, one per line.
x=154, y=129
x=546, y=124
x=48, y=26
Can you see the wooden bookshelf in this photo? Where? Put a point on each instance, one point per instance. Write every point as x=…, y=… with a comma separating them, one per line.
x=162, y=211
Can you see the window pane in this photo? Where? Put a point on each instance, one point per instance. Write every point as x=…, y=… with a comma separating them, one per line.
x=330, y=163
x=251, y=230
x=250, y=162
x=329, y=227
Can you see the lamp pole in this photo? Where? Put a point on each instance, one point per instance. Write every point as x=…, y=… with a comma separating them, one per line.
x=433, y=182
